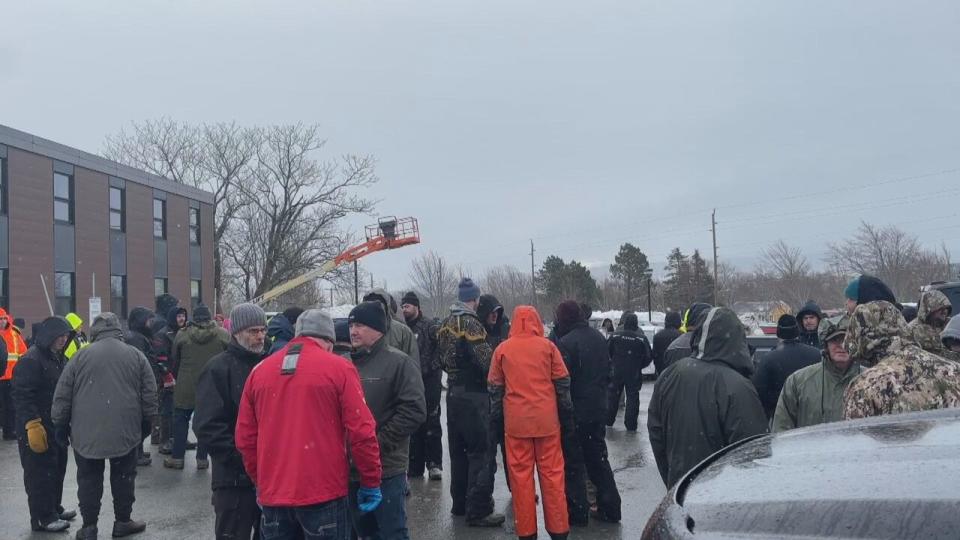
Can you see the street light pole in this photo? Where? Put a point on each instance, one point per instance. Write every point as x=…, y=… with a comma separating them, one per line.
x=649, y=275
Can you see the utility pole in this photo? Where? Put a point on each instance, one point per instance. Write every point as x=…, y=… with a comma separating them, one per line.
x=356, y=283
x=713, y=229
x=533, y=275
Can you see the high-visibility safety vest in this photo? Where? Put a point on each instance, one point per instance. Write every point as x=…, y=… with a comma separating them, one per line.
x=15, y=348
x=79, y=340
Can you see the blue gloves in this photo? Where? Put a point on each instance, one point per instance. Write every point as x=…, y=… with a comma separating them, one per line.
x=368, y=499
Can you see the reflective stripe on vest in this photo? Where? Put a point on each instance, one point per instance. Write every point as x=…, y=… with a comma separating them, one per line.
x=14, y=355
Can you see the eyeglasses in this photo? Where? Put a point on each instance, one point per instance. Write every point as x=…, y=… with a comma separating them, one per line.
x=256, y=331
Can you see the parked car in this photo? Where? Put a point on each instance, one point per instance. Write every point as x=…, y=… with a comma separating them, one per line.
x=883, y=477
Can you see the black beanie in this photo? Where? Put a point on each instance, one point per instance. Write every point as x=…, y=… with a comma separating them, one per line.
x=568, y=313
x=291, y=314
x=787, y=327
x=872, y=289
x=370, y=314
x=201, y=314
x=630, y=322
x=410, y=298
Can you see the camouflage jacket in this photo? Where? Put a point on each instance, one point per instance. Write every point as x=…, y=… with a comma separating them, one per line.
x=926, y=334
x=463, y=350
x=903, y=377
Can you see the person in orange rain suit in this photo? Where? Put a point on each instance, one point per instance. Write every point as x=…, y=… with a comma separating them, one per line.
x=16, y=347
x=531, y=405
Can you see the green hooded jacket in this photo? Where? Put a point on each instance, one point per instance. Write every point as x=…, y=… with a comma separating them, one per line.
x=813, y=395
x=193, y=347
x=922, y=329
x=706, y=401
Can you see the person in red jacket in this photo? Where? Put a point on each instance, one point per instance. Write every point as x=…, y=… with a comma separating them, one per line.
x=531, y=404
x=301, y=408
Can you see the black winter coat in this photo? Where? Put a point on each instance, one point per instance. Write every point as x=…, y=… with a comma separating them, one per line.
x=425, y=331
x=705, y=402
x=36, y=374
x=219, y=389
x=585, y=353
x=808, y=337
x=776, y=366
x=662, y=340
x=629, y=352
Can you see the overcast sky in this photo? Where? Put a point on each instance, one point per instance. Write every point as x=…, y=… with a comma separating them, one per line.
x=581, y=125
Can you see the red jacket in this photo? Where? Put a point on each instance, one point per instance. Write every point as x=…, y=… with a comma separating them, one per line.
x=292, y=430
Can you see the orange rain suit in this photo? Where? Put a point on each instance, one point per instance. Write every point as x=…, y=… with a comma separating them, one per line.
x=16, y=347
x=527, y=372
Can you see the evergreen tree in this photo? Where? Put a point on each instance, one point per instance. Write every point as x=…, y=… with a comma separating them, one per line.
x=629, y=266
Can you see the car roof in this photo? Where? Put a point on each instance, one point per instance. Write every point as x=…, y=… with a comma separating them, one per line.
x=874, y=474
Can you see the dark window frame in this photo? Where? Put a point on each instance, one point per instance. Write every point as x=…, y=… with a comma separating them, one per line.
x=162, y=220
x=122, y=312
x=3, y=186
x=68, y=201
x=120, y=212
x=5, y=288
x=166, y=287
x=58, y=298
x=194, y=225
x=196, y=300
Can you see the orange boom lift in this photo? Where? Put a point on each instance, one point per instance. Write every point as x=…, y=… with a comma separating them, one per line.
x=387, y=233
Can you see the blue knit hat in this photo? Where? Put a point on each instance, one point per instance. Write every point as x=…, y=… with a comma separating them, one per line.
x=468, y=290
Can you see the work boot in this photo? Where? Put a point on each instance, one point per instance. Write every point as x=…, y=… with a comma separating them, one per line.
x=602, y=516
x=490, y=520
x=56, y=525
x=87, y=533
x=68, y=515
x=173, y=463
x=203, y=464
x=126, y=528
x=436, y=473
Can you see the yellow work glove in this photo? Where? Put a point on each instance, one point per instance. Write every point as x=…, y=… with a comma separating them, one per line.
x=36, y=436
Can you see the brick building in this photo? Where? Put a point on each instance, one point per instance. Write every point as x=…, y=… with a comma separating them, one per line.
x=78, y=219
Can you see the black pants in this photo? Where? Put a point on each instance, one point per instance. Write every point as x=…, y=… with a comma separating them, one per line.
x=238, y=515
x=123, y=475
x=43, y=479
x=592, y=463
x=629, y=381
x=426, y=445
x=472, y=462
x=7, y=411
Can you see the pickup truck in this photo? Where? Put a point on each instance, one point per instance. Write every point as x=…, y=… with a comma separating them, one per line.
x=949, y=288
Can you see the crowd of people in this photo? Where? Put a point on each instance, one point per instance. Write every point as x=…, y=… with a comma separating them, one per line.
x=314, y=426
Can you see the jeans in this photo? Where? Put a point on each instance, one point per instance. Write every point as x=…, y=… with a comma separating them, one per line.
x=389, y=520
x=181, y=427
x=327, y=521
x=123, y=475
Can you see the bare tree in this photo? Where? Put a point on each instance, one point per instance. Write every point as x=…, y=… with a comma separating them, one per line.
x=212, y=157
x=788, y=272
x=436, y=280
x=295, y=202
x=891, y=254
x=509, y=284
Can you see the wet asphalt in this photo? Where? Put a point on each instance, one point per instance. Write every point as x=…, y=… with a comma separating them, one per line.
x=176, y=504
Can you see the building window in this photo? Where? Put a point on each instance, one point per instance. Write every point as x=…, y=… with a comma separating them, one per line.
x=159, y=218
x=195, y=226
x=118, y=215
x=118, y=296
x=63, y=198
x=195, y=291
x=3, y=186
x=4, y=291
x=63, y=292
x=160, y=287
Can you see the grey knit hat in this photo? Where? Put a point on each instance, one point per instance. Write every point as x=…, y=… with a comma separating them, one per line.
x=316, y=323
x=245, y=316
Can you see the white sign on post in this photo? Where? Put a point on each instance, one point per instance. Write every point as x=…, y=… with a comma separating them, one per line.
x=94, y=308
